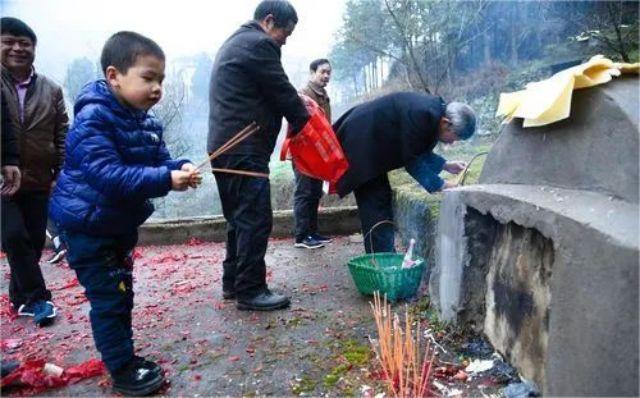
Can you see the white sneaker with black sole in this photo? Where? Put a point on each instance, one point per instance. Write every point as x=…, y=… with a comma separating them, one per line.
x=321, y=238
x=308, y=243
x=57, y=257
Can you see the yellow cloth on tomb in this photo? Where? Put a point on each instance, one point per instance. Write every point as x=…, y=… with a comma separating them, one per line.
x=549, y=101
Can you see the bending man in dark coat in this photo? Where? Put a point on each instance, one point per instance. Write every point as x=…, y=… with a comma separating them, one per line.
x=249, y=84
x=393, y=131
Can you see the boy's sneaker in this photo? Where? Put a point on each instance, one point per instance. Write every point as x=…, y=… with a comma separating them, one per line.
x=154, y=367
x=321, y=238
x=138, y=378
x=308, y=243
x=57, y=257
x=43, y=312
x=26, y=310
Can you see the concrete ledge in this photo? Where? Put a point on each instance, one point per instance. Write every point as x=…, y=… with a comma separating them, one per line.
x=415, y=213
x=331, y=221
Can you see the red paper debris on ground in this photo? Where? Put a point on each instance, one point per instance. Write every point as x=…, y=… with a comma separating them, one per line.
x=446, y=371
x=137, y=253
x=169, y=258
x=73, y=282
x=194, y=241
x=10, y=344
x=30, y=377
x=461, y=375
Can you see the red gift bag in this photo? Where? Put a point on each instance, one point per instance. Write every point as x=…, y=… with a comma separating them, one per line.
x=315, y=151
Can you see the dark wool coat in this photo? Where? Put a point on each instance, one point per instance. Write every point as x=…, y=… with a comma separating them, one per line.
x=116, y=161
x=385, y=134
x=248, y=84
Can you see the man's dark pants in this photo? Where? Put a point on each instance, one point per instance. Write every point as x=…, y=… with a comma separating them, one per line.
x=246, y=205
x=374, y=205
x=306, y=199
x=104, y=267
x=24, y=220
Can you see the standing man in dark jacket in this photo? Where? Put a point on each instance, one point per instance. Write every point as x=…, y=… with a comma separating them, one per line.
x=249, y=84
x=39, y=118
x=308, y=192
x=393, y=131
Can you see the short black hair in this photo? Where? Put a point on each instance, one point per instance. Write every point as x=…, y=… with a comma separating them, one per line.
x=123, y=49
x=313, y=66
x=15, y=27
x=282, y=11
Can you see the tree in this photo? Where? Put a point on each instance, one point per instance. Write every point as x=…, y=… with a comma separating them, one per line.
x=80, y=72
x=422, y=37
x=200, y=78
x=612, y=24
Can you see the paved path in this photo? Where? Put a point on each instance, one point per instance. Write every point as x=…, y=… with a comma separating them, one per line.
x=205, y=345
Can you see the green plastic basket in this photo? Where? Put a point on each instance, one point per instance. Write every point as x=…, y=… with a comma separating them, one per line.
x=382, y=272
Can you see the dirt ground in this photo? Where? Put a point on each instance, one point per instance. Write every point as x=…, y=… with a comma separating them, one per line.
x=317, y=347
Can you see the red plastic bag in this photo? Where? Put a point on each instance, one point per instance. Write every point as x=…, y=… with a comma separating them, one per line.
x=315, y=151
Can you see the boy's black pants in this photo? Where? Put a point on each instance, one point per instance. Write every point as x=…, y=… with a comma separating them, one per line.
x=374, y=205
x=306, y=199
x=104, y=267
x=24, y=221
x=246, y=205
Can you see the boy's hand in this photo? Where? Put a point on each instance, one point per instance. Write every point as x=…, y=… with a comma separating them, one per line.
x=196, y=177
x=180, y=180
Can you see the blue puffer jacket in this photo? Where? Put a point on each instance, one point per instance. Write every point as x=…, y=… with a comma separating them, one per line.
x=115, y=161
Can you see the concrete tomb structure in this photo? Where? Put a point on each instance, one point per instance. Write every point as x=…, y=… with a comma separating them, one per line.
x=542, y=255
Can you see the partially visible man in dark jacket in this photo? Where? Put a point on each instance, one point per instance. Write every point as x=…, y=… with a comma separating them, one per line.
x=393, y=131
x=10, y=154
x=39, y=118
x=249, y=84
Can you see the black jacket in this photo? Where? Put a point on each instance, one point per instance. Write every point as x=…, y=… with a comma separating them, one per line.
x=10, y=154
x=385, y=134
x=249, y=84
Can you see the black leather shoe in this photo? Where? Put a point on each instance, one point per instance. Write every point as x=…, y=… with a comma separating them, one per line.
x=138, y=378
x=152, y=366
x=228, y=294
x=263, y=301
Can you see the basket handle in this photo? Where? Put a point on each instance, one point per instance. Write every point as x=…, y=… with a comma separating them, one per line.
x=373, y=252
x=463, y=175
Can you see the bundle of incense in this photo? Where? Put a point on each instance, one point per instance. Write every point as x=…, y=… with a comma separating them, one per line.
x=405, y=364
x=235, y=140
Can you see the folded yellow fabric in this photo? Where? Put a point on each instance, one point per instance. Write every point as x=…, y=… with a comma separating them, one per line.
x=549, y=101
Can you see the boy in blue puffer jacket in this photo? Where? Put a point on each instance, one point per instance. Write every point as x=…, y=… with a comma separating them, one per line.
x=115, y=162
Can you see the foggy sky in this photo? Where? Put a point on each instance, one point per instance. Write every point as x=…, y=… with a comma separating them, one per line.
x=69, y=29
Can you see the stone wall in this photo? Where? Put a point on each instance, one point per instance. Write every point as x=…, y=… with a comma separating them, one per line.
x=331, y=221
x=517, y=298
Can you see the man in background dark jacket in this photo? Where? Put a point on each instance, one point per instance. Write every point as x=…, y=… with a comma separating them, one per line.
x=249, y=84
x=393, y=131
x=308, y=191
x=37, y=113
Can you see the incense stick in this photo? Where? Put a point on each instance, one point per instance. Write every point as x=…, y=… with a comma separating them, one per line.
x=235, y=140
